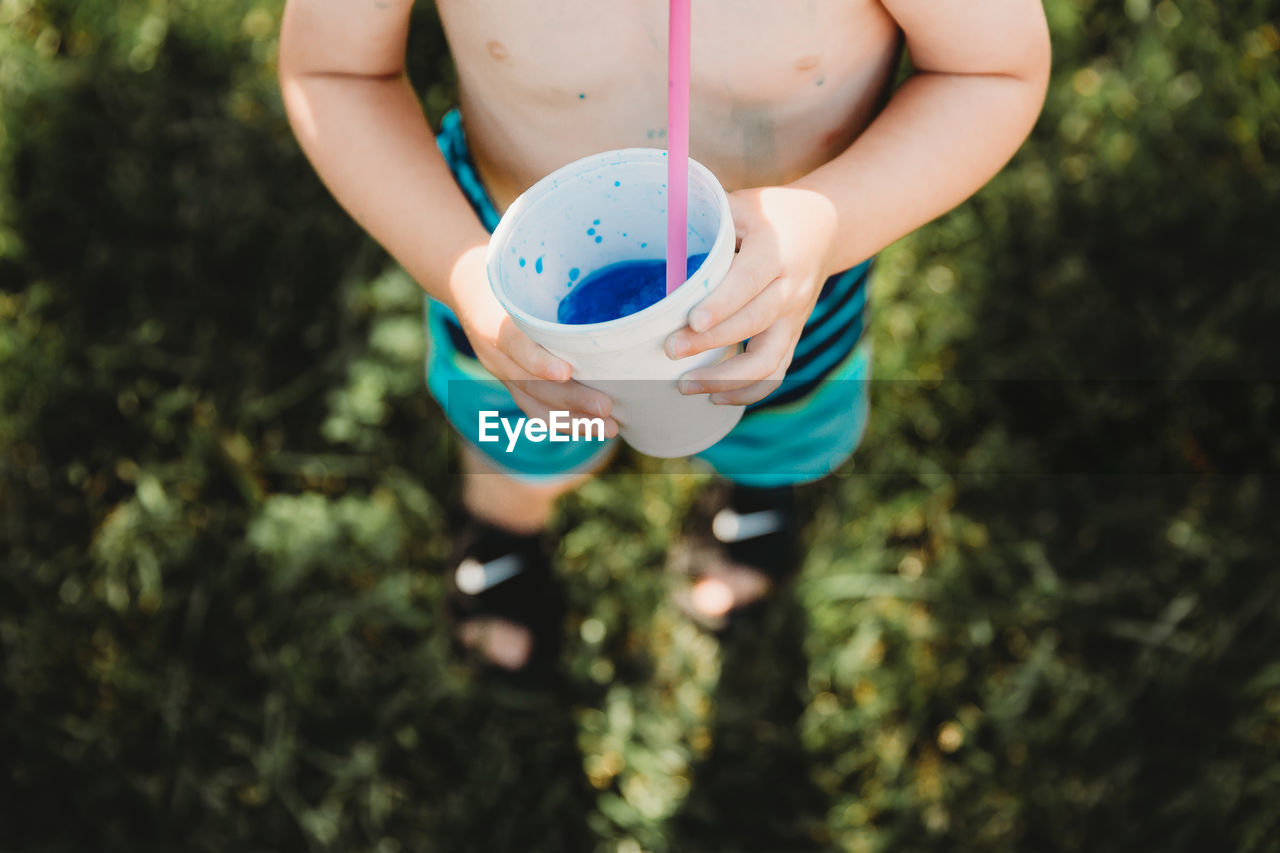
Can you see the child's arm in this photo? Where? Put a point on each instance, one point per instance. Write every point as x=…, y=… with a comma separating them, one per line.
x=358, y=120
x=982, y=70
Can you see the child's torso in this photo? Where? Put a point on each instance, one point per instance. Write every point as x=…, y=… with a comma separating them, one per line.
x=778, y=86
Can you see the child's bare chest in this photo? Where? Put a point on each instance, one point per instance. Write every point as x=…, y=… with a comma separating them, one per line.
x=750, y=50
x=778, y=86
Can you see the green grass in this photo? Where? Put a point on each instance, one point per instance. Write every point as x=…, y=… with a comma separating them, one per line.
x=1038, y=612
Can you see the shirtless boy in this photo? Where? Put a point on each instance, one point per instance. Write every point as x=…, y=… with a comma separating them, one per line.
x=789, y=111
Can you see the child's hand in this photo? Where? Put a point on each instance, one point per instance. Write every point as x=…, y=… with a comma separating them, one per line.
x=785, y=237
x=538, y=381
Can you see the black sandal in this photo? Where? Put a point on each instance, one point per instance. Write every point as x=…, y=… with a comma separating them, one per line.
x=496, y=573
x=752, y=527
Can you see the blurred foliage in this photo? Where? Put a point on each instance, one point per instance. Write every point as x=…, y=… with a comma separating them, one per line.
x=1039, y=610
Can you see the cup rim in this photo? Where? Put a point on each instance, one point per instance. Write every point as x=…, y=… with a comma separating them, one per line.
x=579, y=168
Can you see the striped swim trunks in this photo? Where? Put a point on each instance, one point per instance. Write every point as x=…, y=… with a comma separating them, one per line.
x=801, y=432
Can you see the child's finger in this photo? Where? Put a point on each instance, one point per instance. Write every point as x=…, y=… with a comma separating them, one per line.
x=570, y=396
x=743, y=208
x=530, y=405
x=752, y=393
x=766, y=354
x=534, y=407
x=537, y=398
x=753, y=269
x=530, y=356
x=756, y=316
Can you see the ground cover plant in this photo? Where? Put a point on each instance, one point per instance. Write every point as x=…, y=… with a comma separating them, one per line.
x=1039, y=609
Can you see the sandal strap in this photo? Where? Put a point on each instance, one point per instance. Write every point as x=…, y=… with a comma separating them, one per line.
x=731, y=526
x=473, y=577
x=501, y=574
x=757, y=528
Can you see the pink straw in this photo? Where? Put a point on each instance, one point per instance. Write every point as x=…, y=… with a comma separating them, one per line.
x=677, y=142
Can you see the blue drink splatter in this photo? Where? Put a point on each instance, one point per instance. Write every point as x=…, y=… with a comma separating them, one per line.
x=618, y=290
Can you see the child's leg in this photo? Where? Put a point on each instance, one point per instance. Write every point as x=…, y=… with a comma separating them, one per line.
x=520, y=507
x=505, y=502
x=801, y=433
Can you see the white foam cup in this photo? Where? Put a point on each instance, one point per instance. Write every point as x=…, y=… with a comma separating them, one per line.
x=598, y=211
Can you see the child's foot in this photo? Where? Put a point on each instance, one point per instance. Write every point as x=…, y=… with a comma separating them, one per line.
x=751, y=550
x=724, y=587
x=505, y=604
x=503, y=643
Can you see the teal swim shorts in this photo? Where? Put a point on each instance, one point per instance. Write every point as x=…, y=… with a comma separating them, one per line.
x=801, y=432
